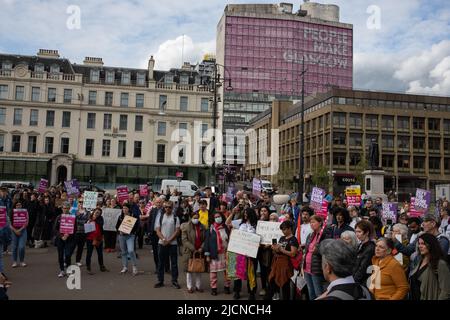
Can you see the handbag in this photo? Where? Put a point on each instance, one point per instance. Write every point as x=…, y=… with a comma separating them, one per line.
x=196, y=264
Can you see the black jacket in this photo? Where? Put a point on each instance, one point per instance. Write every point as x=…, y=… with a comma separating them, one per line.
x=316, y=261
x=334, y=232
x=135, y=227
x=3, y=295
x=363, y=260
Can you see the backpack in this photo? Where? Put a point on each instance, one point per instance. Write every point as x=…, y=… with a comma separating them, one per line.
x=161, y=216
x=342, y=295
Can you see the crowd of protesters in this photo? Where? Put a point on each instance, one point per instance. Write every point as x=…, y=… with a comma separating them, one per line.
x=351, y=254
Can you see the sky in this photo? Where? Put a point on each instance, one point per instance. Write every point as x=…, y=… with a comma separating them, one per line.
x=400, y=46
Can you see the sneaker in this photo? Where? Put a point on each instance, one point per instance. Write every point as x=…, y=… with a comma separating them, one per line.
x=15, y=265
x=158, y=285
x=236, y=296
x=227, y=290
x=276, y=296
x=23, y=264
x=123, y=271
x=135, y=271
x=176, y=285
x=214, y=292
x=262, y=293
x=62, y=274
x=79, y=264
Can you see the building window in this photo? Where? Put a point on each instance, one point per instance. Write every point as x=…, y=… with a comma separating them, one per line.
x=161, y=128
x=162, y=102
x=39, y=68
x=89, y=147
x=446, y=126
x=433, y=124
x=95, y=75
x=66, y=119
x=51, y=95
x=107, y=119
x=64, y=145
x=387, y=161
x=50, y=118
x=403, y=123
x=110, y=77
x=2, y=142
x=339, y=119
x=2, y=116
x=339, y=138
x=184, y=80
x=434, y=163
x=355, y=140
x=4, y=91
x=20, y=93
x=387, y=142
x=387, y=122
x=17, y=121
x=168, y=78
x=15, y=145
x=34, y=117
x=419, y=162
x=140, y=79
x=6, y=65
x=403, y=142
x=355, y=120
x=122, y=149
x=182, y=129
x=91, y=120
x=372, y=121
x=184, y=103
x=108, y=98
x=204, y=129
x=48, y=144
x=419, y=143
x=137, y=149
x=355, y=159
x=124, y=99
x=139, y=100
x=32, y=141
x=339, y=159
x=447, y=145
x=125, y=77
x=106, y=148
x=161, y=153
x=92, y=97
x=138, y=123
x=35, y=94
x=123, y=122
x=418, y=123
x=204, y=105
x=403, y=162
x=446, y=165
x=67, y=95
x=54, y=68
x=434, y=144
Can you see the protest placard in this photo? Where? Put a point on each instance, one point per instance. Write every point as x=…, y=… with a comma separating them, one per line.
x=67, y=224
x=244, y=243
x=148, y=207
x=422, y=200
x=43, y=185
x=3, y=219
x=89, y=227
x=122, y=194
x=317, y=198
x=353, y=195
x=72, y=187
x=127, y=224
x=323, y=212
x=20, y=217
x=268, y=230
x=143, y=190
x=90, y=199
x=257, y=186
x=389, y=211
x=413, y=212
x=110, y=217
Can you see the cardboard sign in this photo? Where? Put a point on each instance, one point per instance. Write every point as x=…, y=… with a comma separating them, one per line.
x=90, y=199
x=127, y=224
x=67, y=224
x=72, y=187
x=269, y=230
x=20, y=218
x=143, y=190
x=389, y=212
x=110, y=217
x=122, y=194
x=43, y=185
x=317, y=199
x=244, y=243
x=3, y=219
x=422, y=200
x=257, y=186
x=148, y=207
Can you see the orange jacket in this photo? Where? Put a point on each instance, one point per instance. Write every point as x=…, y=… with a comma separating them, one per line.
x=388, y=279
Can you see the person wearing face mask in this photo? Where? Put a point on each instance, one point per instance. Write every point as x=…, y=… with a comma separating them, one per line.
x=215, y=248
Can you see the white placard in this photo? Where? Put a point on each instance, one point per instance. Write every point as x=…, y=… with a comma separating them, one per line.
x=110, y=217
x=244, y=243
x=90, y=199
x=127, y=224
x=89, y=227
x=399, y=256
x=174, y=199
x=298, y=280
x=269, y=230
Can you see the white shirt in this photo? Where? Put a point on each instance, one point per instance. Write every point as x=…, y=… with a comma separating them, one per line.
x=414, y=237
x=354, y=222
x=305, y=230
x=340, y=281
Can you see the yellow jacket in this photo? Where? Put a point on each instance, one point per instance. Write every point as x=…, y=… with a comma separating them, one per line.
x=388, y=280
x=204, y=218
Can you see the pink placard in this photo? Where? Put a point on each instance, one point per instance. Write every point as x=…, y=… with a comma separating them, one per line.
x=148, y=207
x=122, y=194
x=43, y=185
x=20, y=218
x=67, y=224
x=143, y=190
x=324, y=210
x=354, y=201
x=2, y=217
x=412, y=209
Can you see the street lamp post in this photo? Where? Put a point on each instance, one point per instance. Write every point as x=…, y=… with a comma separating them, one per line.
x=302, y=138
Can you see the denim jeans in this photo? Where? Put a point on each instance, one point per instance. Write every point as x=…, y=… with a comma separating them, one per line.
x=127, y=249
x=164, y=252
x=90, y=250
x=315, y=285
x=18, y=246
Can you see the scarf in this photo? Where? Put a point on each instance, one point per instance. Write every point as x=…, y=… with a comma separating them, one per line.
x=198, y=240
x=217, y=228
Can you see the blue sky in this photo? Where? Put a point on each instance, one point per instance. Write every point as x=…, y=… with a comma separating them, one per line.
x=409, y=52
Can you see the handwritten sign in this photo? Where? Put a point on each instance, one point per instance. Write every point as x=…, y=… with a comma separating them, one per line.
x=422, y=200
x=110, y=217
x=90, y=199
x=244, y=243
x=3, y=219
x=72, y=187
x=89, y=227
x=127, y=224
x=122, y=194
x=389, y=212
x=268, y=230
x=257, y=186
x=67, y=224
x=20, y=218
x=143, y=190
x=317, y=198
x=43, y=185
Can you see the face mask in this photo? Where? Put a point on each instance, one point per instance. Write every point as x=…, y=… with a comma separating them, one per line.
x=218, y=220
x=195, y=221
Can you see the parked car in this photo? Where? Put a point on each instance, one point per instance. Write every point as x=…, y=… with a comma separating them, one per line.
x=267, y=186
x=11, y=185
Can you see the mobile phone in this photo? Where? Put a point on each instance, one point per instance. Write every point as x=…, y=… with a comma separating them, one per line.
x=389, y=222
x=274, y=241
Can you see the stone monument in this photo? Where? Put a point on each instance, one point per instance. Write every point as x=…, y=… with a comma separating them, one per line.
x=374, y=175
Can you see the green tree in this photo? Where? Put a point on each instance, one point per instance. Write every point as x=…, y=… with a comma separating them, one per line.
x=320, y=177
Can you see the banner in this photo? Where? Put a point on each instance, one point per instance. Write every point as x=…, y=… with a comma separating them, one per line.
x=43, y=185
x=353, y=195
x=317, y=198
x=422, y=200
x=3, y=219
x=148, y=207
x=20, y=218
x=122, y=194
x=389, y=212
x=143, y=190
x=257, y=186
x=110, y=217
x=323, y=212
x=90, y=199
x=72, y=187
x=127, y=224
x=244, y=243
x=268, y=230
x=67, y=224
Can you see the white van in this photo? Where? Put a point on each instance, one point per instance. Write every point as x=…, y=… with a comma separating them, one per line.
x=266, y=186
x=186, y=187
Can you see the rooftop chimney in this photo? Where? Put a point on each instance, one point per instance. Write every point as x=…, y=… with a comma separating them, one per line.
x=93, y=61
x=186, y=66
x=46, y=53
x=151, y=68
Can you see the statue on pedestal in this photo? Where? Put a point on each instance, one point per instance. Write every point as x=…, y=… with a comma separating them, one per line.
x=374, y=158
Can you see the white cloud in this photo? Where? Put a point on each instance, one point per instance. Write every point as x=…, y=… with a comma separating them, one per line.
x=439, y=77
